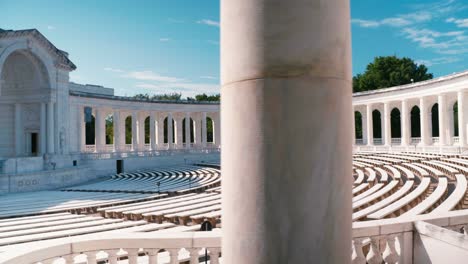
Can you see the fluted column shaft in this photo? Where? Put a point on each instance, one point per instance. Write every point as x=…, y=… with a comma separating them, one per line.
x=387, y=126
x=425, y=133
x=405, y=124
x=204, y=137
x=153, y=130
x=187, y=130
x=116, y=127
x=135, y=131
x=369, y=127
x=43, y=127
x=100, y=129
x=50, y=128
x=461, y=118
x=170, y=128
x=443, y=131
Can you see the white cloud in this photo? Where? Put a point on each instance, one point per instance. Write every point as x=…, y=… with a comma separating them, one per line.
x=150, y=76
x=186, y=88
x=49, y=27
x=208, y=22
x=164, y=39
x=366, y=23
x=451, y=42
x=461, y=23
x=208, y=77
x=113, y=69
x=436, y=61
x=396, y=22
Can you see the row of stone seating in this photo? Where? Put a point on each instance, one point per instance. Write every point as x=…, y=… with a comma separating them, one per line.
x=45, y=202
x=177, y=179
x=183, y=209
x=404, y=187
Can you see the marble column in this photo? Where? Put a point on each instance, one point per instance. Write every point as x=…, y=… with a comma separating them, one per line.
x=141, y=132
x=100, y=130
x=364, y=126
x=405, y=123
x=50, y=128
x=203, y=130
x=197, y=130
x=170, y=128
x=369, y=126
x=461, y=118
x=19, y=134
x=43, y=128
x=135, y=131
x=424, y=118
x=443, y=131
x=451, y=125
x=387, y=127
x=160, y=129
x=178, y=132
x=286, y=80
x=153, y=130
x=116, y=127
x=187, y=130
x=216, y=130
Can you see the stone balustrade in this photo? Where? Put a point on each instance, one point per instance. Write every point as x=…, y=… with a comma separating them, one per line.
x=111, y=248
x=388, y=240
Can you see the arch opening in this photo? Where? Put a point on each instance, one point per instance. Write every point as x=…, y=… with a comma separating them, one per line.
x=128, y=130
x=109, y=129
x=415, y=122
x=358, y=125
x=435, y=120
x=377, y=125
x=395, y=123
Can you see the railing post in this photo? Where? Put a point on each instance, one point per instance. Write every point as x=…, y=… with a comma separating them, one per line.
x=374, y=257
x=390, y=255
x=406, y=247
x=194, y=255
x=174, y=254
x=112, y=256
x=358, y=255
x=153, y=256
x=214, y=255
x=91, y=257
x=132, y=255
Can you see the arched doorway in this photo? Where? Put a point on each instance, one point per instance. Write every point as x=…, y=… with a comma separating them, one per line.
x=435, y=121
x=358, y=127
x=166, y=134
x=395, y=125
x=377, y=126
x=109, y=130
x=147, y=131
x=184, y=136
x=128, y=130
x=415, y=124
x=23, y=75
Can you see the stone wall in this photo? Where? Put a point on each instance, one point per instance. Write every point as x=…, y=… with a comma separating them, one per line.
x=21, y=178
x=44, y=180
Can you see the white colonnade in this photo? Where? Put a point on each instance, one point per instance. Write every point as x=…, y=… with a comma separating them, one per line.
x=147, y=131
x=426, y=120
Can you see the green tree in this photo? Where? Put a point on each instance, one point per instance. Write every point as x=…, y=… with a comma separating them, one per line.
x=390, y=71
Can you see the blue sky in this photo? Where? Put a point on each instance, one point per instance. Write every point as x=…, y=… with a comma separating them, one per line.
x=160, y=46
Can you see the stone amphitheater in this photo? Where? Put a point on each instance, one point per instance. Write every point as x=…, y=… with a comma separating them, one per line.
x=295, y=180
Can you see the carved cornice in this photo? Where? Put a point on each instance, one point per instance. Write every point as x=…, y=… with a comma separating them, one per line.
x=61, y=62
